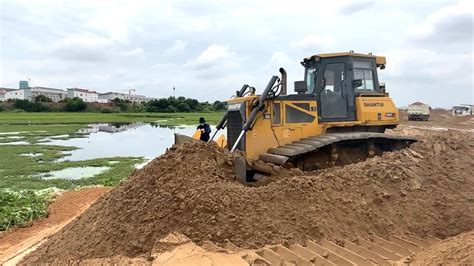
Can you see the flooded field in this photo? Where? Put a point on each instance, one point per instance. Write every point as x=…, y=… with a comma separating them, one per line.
x=107, y=150
x=111, y=140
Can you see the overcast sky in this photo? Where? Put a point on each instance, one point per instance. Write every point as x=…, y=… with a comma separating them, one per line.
x=207, y=49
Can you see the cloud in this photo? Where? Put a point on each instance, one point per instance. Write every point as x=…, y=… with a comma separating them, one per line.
x=417, y=74
x=211, y=56
x=449, y=28
x=215, y=46
x=355, y=7
x=314, y=43
x=178, y=46
x=136, y=52
x=87, y=48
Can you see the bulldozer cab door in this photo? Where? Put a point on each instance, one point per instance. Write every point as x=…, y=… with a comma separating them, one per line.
x=334, y=92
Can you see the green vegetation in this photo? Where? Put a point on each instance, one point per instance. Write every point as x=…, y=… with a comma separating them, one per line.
x=28, y=106
x=22, y=177
x=21, y=207
x=24, y=172
x=181, y=104
x=84, y=118
x=75, y=104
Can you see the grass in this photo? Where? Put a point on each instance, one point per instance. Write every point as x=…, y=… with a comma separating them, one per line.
x=84, y=118
x=21, y=180
x=22, y=172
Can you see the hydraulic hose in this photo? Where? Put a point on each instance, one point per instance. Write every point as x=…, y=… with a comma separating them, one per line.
x=220, y=126
x=256, y=108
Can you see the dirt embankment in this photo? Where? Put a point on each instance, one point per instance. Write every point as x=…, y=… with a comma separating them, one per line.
x=14, y=243
x=426, y=189
x=458, y=250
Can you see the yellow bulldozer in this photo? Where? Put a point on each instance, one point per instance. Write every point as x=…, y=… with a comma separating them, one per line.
x=338, y=115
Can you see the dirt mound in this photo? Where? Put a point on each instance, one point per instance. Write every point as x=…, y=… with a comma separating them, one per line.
x=190, y=190
x=458, y=250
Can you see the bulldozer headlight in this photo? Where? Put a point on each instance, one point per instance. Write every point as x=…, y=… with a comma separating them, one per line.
x=233, y=107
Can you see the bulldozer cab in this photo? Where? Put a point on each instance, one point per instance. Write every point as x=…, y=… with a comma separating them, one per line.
x=334, y=81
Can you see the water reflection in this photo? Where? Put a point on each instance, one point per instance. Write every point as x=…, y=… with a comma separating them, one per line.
x=74, y=173
x=122, y=139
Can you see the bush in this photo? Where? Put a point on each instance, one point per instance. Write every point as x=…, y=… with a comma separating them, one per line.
x=106, y=111
x=75, y=104
x=19, y=208
x=183, y=107
x=170, y=109
x=42, y=98
x=30, y=106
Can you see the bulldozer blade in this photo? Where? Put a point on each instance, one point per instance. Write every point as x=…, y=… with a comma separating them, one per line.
x=181, y=139
x=240, y=169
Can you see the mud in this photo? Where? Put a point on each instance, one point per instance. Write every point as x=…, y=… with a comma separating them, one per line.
x=426, y=189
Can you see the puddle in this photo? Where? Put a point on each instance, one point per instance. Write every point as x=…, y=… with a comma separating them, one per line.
x=12, y=133
x=31, y=154
x=74, y=173
x=14, y=137
x=59, y=136
x=121, y=140
x=15, y=143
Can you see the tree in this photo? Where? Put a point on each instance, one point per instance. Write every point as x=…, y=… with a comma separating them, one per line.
x=218, y=105
x=170, y=109
x=28, y=106
x=192, y=103
x=75, y=104
x=43, y=99
x=183, y=107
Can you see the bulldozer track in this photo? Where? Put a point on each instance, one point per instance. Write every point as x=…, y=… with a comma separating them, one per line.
x=394, y=250
x=284, y=153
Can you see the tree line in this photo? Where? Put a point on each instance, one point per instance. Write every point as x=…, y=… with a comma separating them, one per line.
x=42, y=103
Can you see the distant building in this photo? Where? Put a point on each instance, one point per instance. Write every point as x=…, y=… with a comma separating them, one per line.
x=86, y=95
x=24, y=84
x=15, y=94
x=109, y=96
x=30, y=94
x=3, y=91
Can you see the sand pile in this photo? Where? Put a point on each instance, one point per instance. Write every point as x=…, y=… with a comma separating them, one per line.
x=458, y=250
x=190, y=189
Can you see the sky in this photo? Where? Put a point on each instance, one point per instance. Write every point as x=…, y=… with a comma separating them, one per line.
x=207, y=49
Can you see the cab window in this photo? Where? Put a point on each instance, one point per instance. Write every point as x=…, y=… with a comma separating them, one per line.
x=311, y=79
x=363, y=71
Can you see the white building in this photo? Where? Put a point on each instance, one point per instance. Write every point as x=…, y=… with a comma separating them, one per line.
x=15, y=94
x=3, y=91
x=54, y=94
x=86, y=95
x=109, y=96
x=30, y=94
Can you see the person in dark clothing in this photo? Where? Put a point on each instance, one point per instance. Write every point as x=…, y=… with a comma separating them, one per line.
x=205, y=129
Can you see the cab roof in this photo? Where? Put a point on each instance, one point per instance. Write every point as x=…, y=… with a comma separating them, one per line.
x=379, y=60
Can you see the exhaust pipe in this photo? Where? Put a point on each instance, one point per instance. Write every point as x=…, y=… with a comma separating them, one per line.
x=283, y=81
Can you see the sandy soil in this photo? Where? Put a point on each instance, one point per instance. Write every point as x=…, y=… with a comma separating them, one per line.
x=458, y=250
x=421, y=190
x=19, y=241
